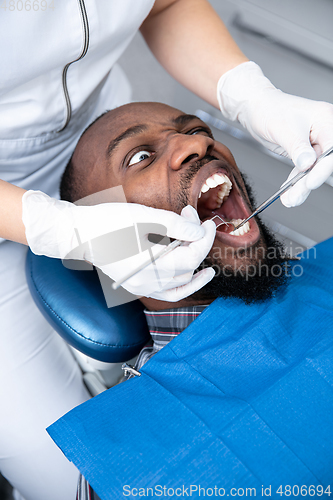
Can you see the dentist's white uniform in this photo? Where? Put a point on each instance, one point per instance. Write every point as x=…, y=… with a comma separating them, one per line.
x=39, y=128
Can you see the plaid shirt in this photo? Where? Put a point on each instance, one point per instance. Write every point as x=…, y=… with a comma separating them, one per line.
x=163, y=326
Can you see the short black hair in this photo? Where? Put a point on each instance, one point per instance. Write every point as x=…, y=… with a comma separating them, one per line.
x=71, y=184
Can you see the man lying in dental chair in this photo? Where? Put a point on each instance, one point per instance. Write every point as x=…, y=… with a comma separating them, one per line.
x=243, y=398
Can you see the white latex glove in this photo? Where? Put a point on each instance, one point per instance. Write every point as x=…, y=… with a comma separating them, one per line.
x=105, y=235
x=286, y=124
x=171, y=277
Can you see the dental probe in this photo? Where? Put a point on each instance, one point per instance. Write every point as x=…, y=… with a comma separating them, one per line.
x=220, y=223
x=284, y=188
x=161, y=253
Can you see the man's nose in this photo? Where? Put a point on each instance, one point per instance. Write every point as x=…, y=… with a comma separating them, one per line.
x=183, y=149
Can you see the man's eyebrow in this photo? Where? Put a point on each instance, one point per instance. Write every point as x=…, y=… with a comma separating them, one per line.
x=130, y=132
x=184, y=119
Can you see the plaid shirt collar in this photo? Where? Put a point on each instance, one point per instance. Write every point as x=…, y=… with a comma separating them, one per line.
x=167, y=324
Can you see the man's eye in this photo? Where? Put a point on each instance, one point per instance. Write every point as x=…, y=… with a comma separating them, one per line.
x=140, y=156
x=200, y=130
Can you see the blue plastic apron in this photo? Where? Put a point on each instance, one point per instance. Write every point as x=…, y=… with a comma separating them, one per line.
x=242, y=398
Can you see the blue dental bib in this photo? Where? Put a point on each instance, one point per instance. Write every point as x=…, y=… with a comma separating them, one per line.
x=243, y=398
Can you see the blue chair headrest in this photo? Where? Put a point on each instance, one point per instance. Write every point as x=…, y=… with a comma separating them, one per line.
x=74, y=304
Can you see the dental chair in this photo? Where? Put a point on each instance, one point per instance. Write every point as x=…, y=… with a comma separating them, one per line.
x=102, y=337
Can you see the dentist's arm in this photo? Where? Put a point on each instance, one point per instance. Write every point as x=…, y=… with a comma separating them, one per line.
x=192, y=43
x=189, y=39
x=11, y=225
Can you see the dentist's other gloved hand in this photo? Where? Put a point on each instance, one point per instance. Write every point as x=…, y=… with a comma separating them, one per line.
x=291, y=126
x=95, y=234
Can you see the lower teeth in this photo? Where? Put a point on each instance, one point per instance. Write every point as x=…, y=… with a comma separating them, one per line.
x=219, y=221
x=241, y=230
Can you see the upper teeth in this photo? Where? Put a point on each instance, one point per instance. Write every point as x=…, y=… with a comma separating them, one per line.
x=215, y=180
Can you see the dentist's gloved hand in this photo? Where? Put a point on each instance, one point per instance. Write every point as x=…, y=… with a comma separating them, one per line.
x=288, y=125
x=105, y=236
x=170, y=277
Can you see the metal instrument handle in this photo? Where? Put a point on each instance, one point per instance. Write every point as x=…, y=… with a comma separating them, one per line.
x=284, y=188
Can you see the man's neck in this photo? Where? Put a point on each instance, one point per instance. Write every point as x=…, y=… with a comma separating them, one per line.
x=159, y=305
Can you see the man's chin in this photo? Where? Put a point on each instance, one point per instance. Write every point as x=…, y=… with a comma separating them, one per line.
x=237, y=259
x=252, y=274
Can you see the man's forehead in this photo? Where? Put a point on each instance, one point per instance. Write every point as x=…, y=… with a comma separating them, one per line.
x=148, y=114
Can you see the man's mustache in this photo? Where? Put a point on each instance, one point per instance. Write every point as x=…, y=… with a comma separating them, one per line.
x=194, y=168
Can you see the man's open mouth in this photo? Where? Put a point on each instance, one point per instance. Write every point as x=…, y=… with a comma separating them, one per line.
x=220, y=199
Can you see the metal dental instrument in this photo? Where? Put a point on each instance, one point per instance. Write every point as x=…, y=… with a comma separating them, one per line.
x=284, y=188
x=221, y=223
x=161, y=253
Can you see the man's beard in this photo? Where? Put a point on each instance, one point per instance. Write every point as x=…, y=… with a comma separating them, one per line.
x=256, y=282
x=260, y=278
